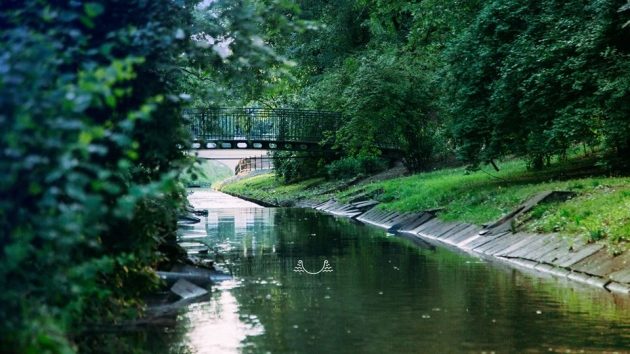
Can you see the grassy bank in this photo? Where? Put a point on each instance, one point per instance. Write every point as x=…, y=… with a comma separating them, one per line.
x=267, y=188
x=600, y=209
x=206, y=173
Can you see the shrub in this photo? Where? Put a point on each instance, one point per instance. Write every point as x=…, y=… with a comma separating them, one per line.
x=88, y=145
x=355, y=166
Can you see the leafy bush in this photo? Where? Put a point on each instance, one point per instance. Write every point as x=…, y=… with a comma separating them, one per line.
x=355, y=166
x=91, y=145
x=292, y=166
x=89, y=139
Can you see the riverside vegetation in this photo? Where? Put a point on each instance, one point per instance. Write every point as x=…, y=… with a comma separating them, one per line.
x=599, y=210
x=539, y=88
x=92, y=154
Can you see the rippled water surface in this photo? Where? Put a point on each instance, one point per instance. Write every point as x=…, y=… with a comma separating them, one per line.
x=381, y=294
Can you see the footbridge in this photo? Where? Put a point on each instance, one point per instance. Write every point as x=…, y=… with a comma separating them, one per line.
x=260, y=128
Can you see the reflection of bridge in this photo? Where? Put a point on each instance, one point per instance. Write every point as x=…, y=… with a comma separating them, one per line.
x=259, y=128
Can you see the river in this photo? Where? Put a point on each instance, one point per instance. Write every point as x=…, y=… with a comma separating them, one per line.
x=375, y=293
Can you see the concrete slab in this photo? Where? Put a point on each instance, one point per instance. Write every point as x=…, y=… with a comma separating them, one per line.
x=402, y=219
x=543, y=267
x=602, y=263
x=497, y=242
x=618, y=288
x=580, y=277
x=437, y=228
x=187, y=290
x=453, y=231
x=480, y=241
x=518, y=240
x=463, y=235
x=578, y=255
x=523, y=263
x=502, y=243
x=621, y=276
x=524, y=240
x=553, y=245
x=412, y=221
x=457, y=232
x=426, y=226
x=389, y=215
x=561, y=251
x=560, y=272
x=446, y=228
x=539, y=241
x=597, y=281
x=465, y=244
x=422, y=218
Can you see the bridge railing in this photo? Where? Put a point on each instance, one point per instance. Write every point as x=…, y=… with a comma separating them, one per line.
x=254, y=163
x=261, y=124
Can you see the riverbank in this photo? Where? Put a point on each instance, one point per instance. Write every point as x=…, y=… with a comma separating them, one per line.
x=391, y=287
x=557, y=255
x=590, y=214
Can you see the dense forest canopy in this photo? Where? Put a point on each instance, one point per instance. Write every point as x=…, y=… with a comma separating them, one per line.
x=471, y=79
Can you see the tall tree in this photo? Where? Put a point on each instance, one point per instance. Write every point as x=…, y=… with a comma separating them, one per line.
x=536, y=78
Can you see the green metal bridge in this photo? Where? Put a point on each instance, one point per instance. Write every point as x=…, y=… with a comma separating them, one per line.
x=260, y=128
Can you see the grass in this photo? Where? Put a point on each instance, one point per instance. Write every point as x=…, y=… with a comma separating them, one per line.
x=267, y=188
x=600, y=209
x=600, y=213
x=207, y=173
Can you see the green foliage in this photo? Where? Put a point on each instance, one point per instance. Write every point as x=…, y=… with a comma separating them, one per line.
x=292, y=166
x=386, y=105
x=91, y=139
x=351, y=167
x=205, y=173
x=271, y=189
x=231, y=62
x=377, y=63
x=483, y=79
x=534, y=78
x=600, y=211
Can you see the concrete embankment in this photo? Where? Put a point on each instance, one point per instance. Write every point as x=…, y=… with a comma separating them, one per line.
x=588, y=263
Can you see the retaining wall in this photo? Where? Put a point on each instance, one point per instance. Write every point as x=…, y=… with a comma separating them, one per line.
x=588, y=263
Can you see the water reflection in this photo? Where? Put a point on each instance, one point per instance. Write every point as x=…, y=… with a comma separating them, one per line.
x=386, y=294
x=219, y=325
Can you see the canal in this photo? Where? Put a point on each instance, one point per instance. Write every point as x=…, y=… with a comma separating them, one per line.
x=375, y=293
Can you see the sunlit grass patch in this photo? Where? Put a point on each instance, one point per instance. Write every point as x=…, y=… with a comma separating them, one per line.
x=267, y=188
x=601, y=212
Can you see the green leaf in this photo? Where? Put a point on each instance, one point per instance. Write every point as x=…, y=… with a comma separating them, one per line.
x=93, y=9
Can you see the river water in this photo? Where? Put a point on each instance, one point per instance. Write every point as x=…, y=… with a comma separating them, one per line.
x=379, y=293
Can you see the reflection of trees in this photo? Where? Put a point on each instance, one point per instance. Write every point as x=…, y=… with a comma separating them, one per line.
x=460, y=296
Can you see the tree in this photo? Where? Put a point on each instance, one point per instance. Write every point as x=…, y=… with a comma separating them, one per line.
x=535, y=78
